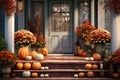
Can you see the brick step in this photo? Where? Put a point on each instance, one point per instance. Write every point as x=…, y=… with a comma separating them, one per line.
x=63, y=72
x=59, y=78
x=67, y=64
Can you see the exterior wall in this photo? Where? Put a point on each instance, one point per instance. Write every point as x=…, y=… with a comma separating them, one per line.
x=2, y=21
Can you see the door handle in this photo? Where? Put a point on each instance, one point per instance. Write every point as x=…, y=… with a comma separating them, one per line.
x=48, y=32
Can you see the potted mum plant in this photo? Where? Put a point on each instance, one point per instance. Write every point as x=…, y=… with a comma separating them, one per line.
x=115, y=60
x=24, y=39
x=99, y=38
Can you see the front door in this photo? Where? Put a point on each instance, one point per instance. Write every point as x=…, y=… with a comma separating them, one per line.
x=60, y=30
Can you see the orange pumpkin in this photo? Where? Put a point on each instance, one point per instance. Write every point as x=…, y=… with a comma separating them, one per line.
x=33, y=53
x=34, y=75
x=44, y=51
x=94, y=66
x=81, y=74
x=90, y=74
x=36, y=65
x=88, y=66
x=80, y=52
x=27, y=66
x=23, y=52
x=84, y=54
x=115, y=75
x=19, y=65
x=96, y=56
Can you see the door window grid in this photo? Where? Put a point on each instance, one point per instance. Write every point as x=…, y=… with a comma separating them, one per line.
x=60, y=17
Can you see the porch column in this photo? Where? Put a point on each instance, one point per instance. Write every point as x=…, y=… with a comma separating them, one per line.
x=9, y=32
x=115, y=32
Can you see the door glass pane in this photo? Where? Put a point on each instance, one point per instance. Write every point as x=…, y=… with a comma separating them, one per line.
x=60, y=17
x=84, y=11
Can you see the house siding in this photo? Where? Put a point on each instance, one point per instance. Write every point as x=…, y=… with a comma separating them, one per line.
x=108, y=21
x=2, y=21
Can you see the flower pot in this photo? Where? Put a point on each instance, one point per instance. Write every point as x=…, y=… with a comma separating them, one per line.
x=5, y=71
x=100, y=48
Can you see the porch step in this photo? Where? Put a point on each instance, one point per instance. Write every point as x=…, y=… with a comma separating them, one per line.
x=59, y=78
x=64, y=68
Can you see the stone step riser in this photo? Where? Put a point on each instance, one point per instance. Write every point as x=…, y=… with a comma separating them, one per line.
x=66, y=74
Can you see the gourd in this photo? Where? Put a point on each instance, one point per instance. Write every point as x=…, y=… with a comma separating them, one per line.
x=90, y=74
x=27, y=66
x=36, y=65
x=115, y=75
x=96, y=56
x=19, y=65
x=94, y=66
x=39, y=57
x=34, y=74
x=33, y=53
x=26, y=74
x=81, y=74
x=28, y=57
x=80, y=52
x=88, y=66
x=44, y=51
x=23, y=52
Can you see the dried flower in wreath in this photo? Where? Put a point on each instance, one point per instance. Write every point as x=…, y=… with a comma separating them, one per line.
x=113, y=5
x=9, y=6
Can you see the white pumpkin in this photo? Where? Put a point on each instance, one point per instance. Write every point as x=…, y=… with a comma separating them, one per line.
x=26, y=74
x=39, y=57
x=28, y=57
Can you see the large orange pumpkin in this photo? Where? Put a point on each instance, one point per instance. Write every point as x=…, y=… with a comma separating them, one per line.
x=36, y=65
x=27, y=66
x=90, y=74
x=44, y=51
x=19, y=65
x=23, y=52
x=33, y=53
x=88, y=66
x=96, y=56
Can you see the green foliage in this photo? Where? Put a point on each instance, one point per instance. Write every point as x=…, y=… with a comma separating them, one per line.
x=3, y=43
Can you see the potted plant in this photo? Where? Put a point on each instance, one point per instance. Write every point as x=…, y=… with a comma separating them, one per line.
x=115, y=59
x=24, y=39
x=3, y=44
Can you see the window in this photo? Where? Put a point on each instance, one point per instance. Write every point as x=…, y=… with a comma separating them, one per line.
x=60, y=17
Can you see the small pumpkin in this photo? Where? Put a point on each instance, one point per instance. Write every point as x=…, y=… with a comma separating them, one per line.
x=44, y=51
x=34, y=74
x=81, y=74
x=23, y=52
x=36, y=65
x=26, y=74
x=88, y=66
x=94, y=66
x=96, y=56
x=28, y=57
x=27, y=66
x=33, y=53
x=39, y=57
x=19, y=65
x=80, y=52
x=84, y=54
x=90, y=74
x=115, y=75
